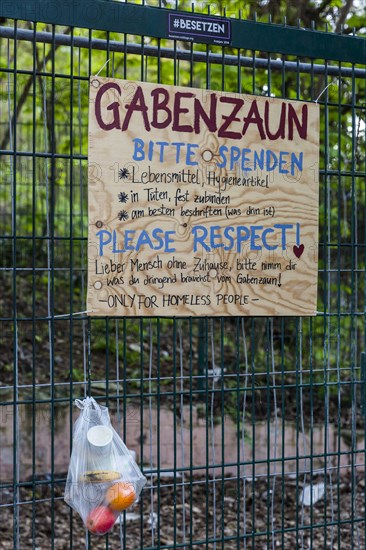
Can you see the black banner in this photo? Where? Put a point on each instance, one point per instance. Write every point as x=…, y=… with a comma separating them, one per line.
x=199, y=28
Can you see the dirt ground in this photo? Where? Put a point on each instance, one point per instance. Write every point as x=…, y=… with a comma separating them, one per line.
x=337, y=520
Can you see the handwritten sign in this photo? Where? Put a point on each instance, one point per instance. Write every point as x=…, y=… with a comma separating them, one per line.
x=200, y=202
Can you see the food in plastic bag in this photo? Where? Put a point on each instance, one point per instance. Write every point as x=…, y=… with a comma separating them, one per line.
x=103, y=479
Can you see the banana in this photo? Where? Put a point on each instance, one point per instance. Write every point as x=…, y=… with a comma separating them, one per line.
x=99, y=476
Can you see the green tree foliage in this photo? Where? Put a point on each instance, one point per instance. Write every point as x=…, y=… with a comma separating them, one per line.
x=336, y=15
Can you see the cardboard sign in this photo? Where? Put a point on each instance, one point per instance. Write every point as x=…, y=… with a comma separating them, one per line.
x=200, y=202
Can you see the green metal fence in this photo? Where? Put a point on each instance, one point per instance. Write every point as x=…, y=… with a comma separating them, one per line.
x=250, y=431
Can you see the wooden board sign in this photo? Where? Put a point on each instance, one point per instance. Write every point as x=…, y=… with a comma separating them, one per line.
x=200, y=202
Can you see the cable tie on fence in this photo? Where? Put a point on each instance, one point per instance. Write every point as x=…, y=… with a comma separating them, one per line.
x=72, y=314
x=333, y=83
x=100, y=70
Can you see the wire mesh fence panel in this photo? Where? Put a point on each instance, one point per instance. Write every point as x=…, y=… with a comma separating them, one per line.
x=250, y=431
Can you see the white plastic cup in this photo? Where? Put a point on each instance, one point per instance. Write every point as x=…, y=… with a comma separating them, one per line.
x=100, y=447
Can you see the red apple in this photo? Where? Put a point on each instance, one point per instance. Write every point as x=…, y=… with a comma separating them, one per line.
x=100, y=520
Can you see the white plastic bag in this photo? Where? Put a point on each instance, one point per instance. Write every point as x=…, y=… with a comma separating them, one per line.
x=103, y=479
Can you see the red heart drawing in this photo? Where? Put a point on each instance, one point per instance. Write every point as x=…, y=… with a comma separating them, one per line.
x=298, y=250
